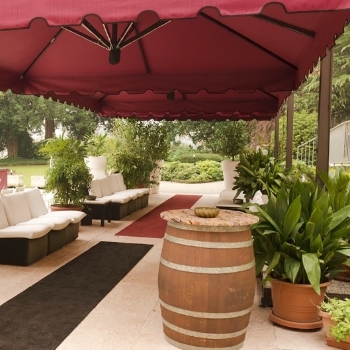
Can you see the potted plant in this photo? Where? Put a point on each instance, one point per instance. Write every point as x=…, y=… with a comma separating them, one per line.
x=96, y=160
x=68, y=177
x=260, y=171
x=335, y=315
x=139, y=148
x=302, y=242
x=338, y=186
x=232, y=138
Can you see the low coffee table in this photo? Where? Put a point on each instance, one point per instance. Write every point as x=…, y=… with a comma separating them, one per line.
x=102, y=204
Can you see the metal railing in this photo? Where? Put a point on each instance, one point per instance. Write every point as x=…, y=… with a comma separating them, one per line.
x=306, y=152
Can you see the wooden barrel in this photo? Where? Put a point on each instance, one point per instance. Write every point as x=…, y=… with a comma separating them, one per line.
x=206, y=285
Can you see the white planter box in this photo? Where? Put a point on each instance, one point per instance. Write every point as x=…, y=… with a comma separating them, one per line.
x=14, y=180
x=97, y=166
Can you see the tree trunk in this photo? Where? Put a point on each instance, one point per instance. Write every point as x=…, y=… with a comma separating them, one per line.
x=12, y=147
x=49, y=128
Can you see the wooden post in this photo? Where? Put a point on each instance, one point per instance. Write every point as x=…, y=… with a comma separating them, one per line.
x=277, y=135
x=324, y=113
x=289, y=142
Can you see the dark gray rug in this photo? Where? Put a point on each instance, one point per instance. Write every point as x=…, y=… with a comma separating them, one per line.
x=42, y=316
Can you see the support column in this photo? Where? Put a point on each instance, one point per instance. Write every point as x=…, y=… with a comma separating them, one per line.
x=277, y=135
x=289, y=142
x=324, y=113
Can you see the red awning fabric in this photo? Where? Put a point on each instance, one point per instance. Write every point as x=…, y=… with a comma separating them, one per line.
x=20, y=13
x=236, y=58
x=201, y=105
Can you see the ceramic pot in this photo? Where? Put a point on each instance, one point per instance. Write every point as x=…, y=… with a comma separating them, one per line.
x=229, y=171
x=156, y=176
x=296, y=305
x=97, y=166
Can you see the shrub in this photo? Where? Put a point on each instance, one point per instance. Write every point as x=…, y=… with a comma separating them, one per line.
x=203, y=171
x=6, y=162
x=184, y=154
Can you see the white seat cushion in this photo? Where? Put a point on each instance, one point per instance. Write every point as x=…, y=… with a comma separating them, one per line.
x=36, y=203
x=56, y=222
x=3, y=218
x=127, y=193
x=25, y=231
x=137, y=191
x=120, y=198
x=16, y=208
x=74, y=216
x=7, y=191
x=95, y=189
x=120, y=180
x=104, y=186
x=113, y=183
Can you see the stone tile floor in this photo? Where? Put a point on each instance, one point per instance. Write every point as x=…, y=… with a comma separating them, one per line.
x=128, y=318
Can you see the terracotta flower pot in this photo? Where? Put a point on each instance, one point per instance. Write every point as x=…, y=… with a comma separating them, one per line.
x=326, y=320
x=344, y=275
x=296, y=305
x=56, y=207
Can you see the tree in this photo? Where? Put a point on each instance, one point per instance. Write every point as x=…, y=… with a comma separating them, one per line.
x=304, y=129
x=306, y=97
x=77, y=122
x=16, y=116
x=227, y=137
x=230, y=138
x=135, y=148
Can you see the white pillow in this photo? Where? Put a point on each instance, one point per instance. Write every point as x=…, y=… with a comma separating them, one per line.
x=113, y=183
x=3, y=219
x=16, y=208
x=104, y=186
x=36, y=203
x=120, y=180
x=95, y=189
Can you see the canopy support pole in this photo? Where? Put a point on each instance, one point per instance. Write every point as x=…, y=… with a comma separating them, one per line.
x=289, y=142
x=277, y=135
x=324, y=114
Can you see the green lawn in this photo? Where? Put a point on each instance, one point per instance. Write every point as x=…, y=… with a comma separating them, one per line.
x=27, y=171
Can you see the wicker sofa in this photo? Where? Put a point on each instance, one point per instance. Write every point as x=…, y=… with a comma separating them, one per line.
x=122, y=201
x=28, y=231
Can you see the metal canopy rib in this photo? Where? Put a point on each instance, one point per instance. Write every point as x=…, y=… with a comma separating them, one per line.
x=42, y=52
x=260, y=47
x=286, y=25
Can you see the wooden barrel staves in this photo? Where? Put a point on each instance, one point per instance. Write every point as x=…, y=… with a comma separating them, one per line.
x=206, y=285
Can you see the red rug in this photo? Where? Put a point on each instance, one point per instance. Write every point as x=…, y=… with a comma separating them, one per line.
x=152, y=225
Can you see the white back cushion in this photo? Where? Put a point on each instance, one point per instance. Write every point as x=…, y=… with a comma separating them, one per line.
x=120, y=180
x=95, y=189
x=3, y=219
x=113, y=183
x=16, y=208
x=104, y=186
x=36, y=203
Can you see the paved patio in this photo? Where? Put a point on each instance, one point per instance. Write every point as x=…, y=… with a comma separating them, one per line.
x=128, y=318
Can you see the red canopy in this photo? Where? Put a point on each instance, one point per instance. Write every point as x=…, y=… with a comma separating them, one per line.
x=177, y=59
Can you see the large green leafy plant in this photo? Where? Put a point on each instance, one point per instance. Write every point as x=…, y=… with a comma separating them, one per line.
x=135, y=149
x=299, y=237
x=68, y=177
x=259, y=171
x=95, y=144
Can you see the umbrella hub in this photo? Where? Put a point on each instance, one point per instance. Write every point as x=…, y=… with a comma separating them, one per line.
x=114, y=55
